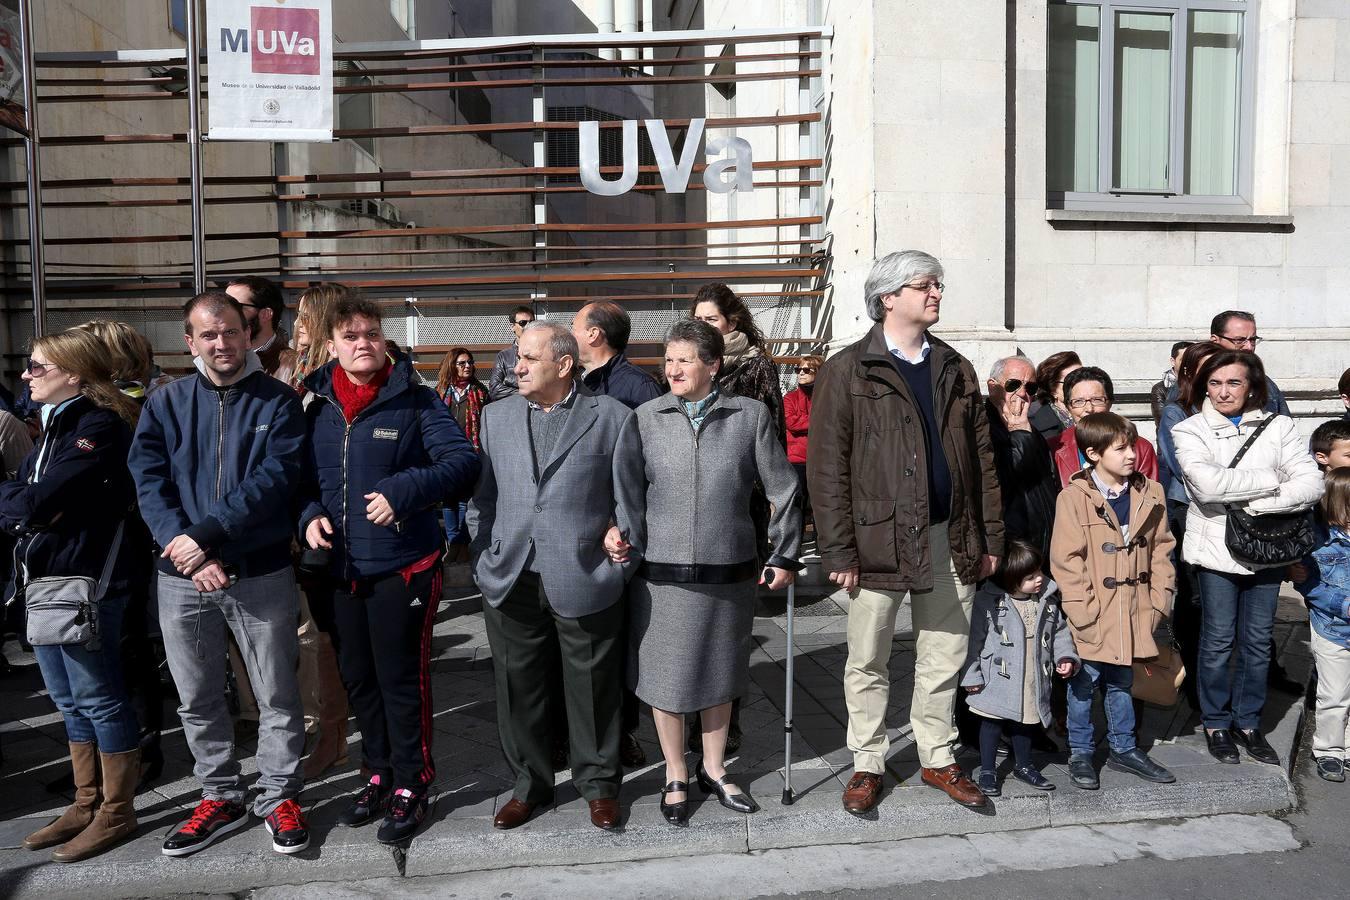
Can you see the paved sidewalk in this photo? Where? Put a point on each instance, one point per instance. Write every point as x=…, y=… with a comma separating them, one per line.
x=474, y=781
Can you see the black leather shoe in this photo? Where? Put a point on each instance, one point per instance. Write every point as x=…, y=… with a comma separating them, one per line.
x=1137, y=762
x=1082, y=773
x=741, y=803
x=676, y=813
x=1329, y=768
x=1032, y=776
x=1258, y=748
x=988, y=784
x=1221, y=745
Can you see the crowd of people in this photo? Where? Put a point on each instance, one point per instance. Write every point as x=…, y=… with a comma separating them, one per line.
x=280, y=517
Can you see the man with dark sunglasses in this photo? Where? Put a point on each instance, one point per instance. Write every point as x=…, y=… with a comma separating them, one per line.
x=503, y=380
x=1021, y=455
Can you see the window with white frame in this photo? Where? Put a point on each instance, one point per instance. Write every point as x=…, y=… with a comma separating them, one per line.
x=1148, y=104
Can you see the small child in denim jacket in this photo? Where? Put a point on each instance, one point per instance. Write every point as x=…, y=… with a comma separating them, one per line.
x=1019, y=639
x=1327, y=593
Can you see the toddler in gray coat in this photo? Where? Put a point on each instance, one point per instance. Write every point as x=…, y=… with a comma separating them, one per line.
x=1019, y=640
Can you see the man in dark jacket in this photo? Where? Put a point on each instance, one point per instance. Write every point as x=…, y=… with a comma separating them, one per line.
x=602, y=329
x=385, y=452
x=216, y=457
x=1025, y=472
x=907, y=506
x=502, y=384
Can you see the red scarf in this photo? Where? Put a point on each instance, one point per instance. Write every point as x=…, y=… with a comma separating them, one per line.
x=355, y=397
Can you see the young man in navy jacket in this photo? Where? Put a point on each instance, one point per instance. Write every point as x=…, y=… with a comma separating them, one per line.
x=386, y=453
x=216, y=459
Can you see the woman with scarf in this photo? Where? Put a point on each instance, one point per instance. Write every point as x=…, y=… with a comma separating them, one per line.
x=747, y=371
x=384, y=454
x=465, y=396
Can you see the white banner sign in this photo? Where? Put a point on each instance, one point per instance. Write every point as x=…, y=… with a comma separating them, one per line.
x=270, y=70
x=11, y=63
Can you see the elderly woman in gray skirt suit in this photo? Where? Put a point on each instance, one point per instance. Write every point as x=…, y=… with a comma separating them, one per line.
x=692, y=601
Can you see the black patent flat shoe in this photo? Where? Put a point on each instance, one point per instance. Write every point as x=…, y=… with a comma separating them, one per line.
x=741, y=803
x=1258, y=748
x=676, y=814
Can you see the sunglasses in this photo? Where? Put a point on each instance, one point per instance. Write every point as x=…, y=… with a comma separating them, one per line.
x=1012, y=385
x=806, y=370
x=521, y=323
x=37, y=369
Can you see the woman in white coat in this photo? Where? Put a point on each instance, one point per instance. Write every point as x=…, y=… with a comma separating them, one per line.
x=1276, y=475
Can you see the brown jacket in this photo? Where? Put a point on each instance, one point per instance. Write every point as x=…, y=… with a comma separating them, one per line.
x=865, y=463
x=1114, y=596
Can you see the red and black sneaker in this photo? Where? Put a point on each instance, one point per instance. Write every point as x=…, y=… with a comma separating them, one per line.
x=210, y=820
x=287, y=826
x=406, y=812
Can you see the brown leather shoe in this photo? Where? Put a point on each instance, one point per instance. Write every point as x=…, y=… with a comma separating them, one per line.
x=952, y=781
x=862, y=792
x=513, y=815
x=605, y=813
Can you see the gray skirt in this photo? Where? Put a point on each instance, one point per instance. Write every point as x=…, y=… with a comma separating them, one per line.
x=689, y=644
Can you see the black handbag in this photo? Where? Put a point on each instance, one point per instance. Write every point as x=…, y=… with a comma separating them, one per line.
x=1276, y=539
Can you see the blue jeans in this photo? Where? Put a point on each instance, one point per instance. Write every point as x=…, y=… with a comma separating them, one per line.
x=456, y=529
x=86, y=685
x=1115, y=682
x=1237, y=618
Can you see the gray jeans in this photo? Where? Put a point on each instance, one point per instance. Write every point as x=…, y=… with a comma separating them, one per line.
x=261, y=613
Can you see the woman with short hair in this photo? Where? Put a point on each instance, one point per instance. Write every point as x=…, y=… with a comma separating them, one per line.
x=691, y=604
x=1047, y=412
x=1276, y=474
x=67, y=505
x=384, y=454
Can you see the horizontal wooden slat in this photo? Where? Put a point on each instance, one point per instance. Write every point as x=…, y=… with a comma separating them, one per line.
x=85, y=140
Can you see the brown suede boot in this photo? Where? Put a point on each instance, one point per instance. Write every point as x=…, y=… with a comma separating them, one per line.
x=331, y=748
x=116, y=818
x=84, y=763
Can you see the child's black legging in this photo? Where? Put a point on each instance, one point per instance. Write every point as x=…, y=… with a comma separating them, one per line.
x=1018, y=733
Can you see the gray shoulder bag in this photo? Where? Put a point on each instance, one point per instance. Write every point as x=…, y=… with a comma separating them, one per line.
x=63, y=609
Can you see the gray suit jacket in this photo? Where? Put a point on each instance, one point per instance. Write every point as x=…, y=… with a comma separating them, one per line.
x=592, y=479
x=698, y=486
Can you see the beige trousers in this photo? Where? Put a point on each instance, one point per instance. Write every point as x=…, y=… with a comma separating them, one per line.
x=1331, y=736
x=941, y=619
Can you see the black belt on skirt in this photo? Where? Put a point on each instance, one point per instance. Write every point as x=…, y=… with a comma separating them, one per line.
x=699, y=573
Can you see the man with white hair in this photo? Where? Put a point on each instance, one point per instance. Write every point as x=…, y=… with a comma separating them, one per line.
x=1026, y=472
x=909, y=510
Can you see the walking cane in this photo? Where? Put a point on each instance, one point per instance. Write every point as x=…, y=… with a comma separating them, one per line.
x=787, y=701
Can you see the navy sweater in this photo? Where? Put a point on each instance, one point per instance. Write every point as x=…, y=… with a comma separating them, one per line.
x=920, y=380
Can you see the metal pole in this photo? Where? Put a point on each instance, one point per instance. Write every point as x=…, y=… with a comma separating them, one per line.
x=788, y=797
x=194, y=137
x=37, y=266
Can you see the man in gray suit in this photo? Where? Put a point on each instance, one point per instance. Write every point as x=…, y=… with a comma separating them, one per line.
x=561, y=469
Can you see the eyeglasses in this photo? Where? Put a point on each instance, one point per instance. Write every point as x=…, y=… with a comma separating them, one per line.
x=806, y=370
x=1013, y=385
x=927, y=286
x=37, y=369
x=1242, y=341
x=521, y=323
x=1084, y=402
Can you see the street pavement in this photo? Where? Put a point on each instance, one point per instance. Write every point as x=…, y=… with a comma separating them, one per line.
x=916, y=829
